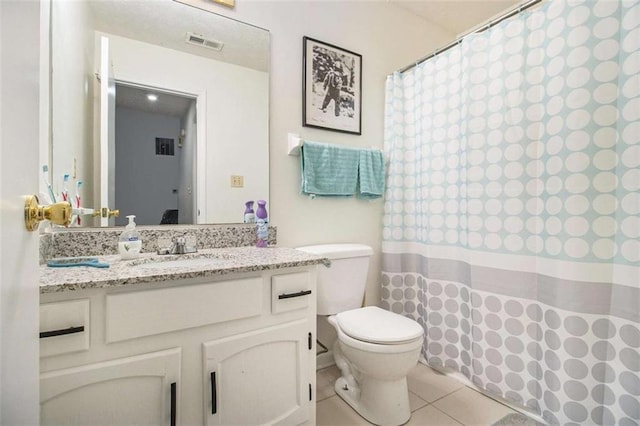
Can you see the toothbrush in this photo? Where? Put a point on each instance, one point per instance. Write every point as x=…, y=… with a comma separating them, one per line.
x=65, y=192
x=45, y=176
x=78, y=186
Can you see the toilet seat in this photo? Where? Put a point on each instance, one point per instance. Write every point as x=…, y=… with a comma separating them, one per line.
x=378, y=326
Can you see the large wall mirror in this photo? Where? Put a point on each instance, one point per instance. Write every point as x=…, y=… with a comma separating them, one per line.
x=158, y=109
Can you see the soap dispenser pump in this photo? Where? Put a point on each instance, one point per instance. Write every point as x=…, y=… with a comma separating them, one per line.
x=130, y=244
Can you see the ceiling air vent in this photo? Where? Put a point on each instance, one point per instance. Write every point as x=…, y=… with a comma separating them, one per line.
x=199, y=40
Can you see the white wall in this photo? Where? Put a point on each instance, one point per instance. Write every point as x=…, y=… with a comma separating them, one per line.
x=236, y=122
x=72, y=85
x=140, y=171
x=19, y=133
x=388, y=38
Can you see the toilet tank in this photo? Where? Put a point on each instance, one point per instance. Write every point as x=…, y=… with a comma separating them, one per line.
x=341, y=286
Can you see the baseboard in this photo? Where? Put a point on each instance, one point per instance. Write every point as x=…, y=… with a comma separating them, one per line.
x=324, y=360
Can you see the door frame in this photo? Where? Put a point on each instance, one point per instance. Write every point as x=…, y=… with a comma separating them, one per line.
x=200, y=151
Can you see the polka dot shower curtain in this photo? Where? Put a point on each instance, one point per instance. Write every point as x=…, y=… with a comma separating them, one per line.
x=512, y=213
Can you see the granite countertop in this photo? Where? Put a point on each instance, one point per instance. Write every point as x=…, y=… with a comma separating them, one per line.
x=211, y=263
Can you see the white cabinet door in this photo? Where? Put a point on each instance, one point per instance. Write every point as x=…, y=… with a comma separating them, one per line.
x=258, y=378
x=140, y=390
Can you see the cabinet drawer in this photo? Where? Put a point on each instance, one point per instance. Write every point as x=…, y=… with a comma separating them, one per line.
x=149, y=312
x=290, y=292
x=64, y=327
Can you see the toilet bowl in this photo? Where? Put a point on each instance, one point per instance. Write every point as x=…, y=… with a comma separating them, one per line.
x=375, y=351
x=375, y=348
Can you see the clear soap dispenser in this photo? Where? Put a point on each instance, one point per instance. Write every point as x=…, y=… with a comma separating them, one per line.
x=130, y=243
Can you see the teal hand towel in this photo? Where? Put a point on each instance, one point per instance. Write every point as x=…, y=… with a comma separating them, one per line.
x=328, y=169
x=371, y=173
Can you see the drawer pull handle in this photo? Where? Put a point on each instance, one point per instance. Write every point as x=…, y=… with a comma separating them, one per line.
x=290, y=295
x=174, y=402
x=61, y=332
x=214, y=397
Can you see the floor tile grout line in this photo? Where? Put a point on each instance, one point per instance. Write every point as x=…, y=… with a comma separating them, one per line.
x=479, y=393
x=326, y=397
x=484, y=394
x=420, y=408
x=420, y=398
x=446, y=395
x=449, y=415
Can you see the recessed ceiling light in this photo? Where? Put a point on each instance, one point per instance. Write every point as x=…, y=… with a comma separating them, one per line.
x=152, y=97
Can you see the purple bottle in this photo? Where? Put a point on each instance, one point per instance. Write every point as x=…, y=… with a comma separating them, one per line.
x=249, y=217
x=262, y=224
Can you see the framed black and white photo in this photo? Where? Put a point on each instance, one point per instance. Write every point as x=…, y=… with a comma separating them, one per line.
x=331, y=87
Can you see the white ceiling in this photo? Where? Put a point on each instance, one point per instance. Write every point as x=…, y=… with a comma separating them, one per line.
x=457, y=16
x=167, y=104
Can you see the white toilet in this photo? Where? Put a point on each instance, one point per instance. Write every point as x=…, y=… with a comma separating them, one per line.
x=375, y=348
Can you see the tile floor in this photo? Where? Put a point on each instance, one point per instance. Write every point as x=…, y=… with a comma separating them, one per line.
x=434, y=398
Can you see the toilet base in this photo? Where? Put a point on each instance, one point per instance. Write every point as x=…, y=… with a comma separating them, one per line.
x=384, y=403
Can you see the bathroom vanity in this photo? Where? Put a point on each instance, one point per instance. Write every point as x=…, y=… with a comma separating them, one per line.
x=225, y=336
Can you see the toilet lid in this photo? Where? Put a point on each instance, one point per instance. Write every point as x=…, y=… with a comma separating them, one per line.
x=375, y=325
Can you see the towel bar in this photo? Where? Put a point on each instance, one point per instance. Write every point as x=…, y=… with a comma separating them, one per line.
x=294, y=142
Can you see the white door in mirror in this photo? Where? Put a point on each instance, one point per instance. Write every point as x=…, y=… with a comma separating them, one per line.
x=107, y=128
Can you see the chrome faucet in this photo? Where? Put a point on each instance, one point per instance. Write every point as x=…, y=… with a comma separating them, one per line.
x=178, y=246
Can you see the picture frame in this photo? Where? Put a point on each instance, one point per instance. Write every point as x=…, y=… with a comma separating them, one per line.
x=331, y=87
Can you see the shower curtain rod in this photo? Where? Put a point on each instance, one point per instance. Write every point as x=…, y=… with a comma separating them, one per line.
x=478, y=29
